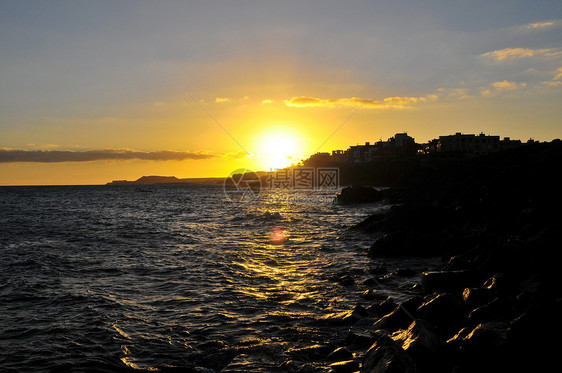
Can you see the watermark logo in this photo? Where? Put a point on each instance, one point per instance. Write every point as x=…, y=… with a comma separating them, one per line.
x=242, y=185
x=304, y=178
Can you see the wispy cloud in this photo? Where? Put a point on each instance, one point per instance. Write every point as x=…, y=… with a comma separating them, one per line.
x=453, y=93
x=54, y=156
x=510, y=54
x=387, y=103
x=542, y=25
x=222, y=99
x=556, y=80
x=500, y=87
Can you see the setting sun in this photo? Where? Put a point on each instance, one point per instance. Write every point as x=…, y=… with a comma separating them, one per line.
x=278, y=149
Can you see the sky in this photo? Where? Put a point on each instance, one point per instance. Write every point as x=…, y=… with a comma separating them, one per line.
x=97, y=91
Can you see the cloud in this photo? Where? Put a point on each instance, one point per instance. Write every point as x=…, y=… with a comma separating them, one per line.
x=266, y=101
x=222, y=99
x=556, y=80
x=238, y=155
x=539, y=25
x=553, y=83
x=453, y=93
x=542, y=25
x=501, y=86
x=509, y=54
x=55, y=156
x=387, y=103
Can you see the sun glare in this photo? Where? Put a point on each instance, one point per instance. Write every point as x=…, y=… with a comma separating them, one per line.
x=278, y=149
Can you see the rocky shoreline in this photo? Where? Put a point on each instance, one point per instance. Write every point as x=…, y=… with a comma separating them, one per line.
x=493, y=302
x=472, y=250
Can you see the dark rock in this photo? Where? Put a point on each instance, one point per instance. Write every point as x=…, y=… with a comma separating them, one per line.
x=411, y=304
x=372, y=294
x=421, y=342
x=404, y=272
x=360, y=311
x=346, y=280
x=397, y=319
x=448, y=281
x=355, y=315
x=502, y=283
x=348, y=366
x=403, y=243
x=442, y=310
x=378, y=270
x=457, y=263
x=483, y=343
x=340, y=354
x=386, y=356
x=476, y=297
x=359, y=339
x=382, y=308
x=498, y=308
x=358, y=194
x=288, y=365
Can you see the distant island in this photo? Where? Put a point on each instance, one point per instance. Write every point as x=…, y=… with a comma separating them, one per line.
x=148, y=180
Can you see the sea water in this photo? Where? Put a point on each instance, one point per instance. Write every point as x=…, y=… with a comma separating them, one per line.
x=152, y=277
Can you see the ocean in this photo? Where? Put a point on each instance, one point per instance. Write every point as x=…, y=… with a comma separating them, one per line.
x=164, y=277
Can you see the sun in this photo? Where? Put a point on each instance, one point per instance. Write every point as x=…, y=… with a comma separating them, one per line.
x=278, y=148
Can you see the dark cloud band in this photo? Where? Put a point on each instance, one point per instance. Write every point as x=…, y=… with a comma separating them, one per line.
x=54, y=156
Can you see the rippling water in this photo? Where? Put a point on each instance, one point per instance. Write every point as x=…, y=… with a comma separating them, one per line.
x=150, y=277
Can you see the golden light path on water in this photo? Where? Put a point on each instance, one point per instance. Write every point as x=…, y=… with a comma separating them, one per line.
x=266, y=273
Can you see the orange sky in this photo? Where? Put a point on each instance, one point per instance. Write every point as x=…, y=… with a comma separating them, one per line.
x=275, y=80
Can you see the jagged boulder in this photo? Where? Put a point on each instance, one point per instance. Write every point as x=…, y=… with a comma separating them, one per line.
x=358, y=194
x=421, y=342
x=386, y=356
x=405, y=243
x=448, y=281
x=443, y=310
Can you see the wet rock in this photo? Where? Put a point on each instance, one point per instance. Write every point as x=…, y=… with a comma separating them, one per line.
x=372, y=294
x=358, y=194
x=403, y=243
x=386, y=356
x=340, y=354
x=397, y=319
x=483, y=343
x=498, y=308
x=289, y=366
x=378, y=270
x=382, y=308
x=348, y=366
x=404, y=272
x=457, y=263
x=354, y=316
x=421, y=342
x=442, y=310
x=448, y=281
x=359, y=339
x=502, y=283
x=476, y=297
